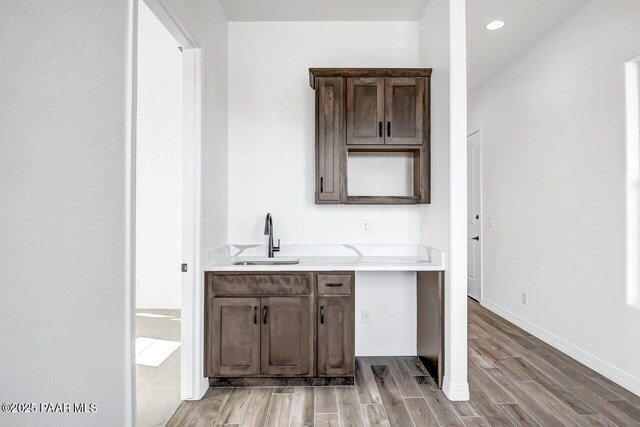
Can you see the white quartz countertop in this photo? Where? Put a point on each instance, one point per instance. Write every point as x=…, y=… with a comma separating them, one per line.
x=329, y=258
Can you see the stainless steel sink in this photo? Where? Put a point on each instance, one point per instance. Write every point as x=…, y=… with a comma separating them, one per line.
x=269, y=262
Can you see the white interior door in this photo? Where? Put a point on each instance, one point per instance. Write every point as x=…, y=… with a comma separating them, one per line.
x=474, y=246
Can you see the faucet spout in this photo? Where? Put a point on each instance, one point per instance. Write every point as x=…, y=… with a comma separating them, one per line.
x=268, y=225
x=268, y=231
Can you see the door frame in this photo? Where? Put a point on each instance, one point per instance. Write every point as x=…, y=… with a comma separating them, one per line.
x=480, y=208
x=193, y=384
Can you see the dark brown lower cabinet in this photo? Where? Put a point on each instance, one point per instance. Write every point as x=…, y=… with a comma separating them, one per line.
x=264, y=325
x=335, y=336
x=286, y=336
x=297, y=328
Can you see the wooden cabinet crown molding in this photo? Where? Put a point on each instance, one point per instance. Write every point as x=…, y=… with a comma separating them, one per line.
x=314, y=73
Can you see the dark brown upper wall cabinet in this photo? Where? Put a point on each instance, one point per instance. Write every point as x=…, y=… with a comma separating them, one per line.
x=384, y=111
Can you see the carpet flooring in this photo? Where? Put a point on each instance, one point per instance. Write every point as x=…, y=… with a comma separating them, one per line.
x=158, y=388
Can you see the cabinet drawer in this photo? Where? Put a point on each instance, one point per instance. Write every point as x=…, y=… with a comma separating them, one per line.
x=334, y=284
x=259, y=284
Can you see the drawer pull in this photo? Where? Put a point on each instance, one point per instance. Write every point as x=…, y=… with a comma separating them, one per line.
x=334, y=285
x=255, y=315
x=322, y=314
x=264, y=314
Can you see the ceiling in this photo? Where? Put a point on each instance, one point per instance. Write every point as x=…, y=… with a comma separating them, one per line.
x=325, y=10
x=527, y=21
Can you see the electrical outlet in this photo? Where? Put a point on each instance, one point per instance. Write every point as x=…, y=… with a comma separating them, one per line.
x=525, y=298
x=366, y=226
x=366, y=316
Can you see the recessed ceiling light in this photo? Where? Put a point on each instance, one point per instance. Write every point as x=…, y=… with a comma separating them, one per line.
x=495, y=25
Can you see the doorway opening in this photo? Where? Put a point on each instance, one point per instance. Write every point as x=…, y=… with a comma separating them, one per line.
x=165, y=215
x=159, y=195
x=474, y=216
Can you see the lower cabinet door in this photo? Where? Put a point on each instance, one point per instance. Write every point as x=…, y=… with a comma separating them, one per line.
x=234, y=337
x=335, y=336
x=286, y=336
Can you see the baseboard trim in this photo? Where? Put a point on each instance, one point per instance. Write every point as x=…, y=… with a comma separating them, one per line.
x=280, y=381
x=616, y=375
x=456, y=392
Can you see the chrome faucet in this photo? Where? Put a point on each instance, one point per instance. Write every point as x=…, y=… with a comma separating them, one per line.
x=268, y=231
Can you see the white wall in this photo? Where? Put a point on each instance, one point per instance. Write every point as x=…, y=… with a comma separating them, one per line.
x=63, y=253
x=443, y=48
x=62, y=221
x=390, y=298
x=271, y=128
x=159, y=182
x=552, y=127
x=272, y=157
x=206, y=22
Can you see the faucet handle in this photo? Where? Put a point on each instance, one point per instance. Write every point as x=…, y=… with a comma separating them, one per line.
x=277, y=248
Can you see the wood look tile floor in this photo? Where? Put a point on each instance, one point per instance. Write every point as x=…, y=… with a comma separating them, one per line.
x=514, y=379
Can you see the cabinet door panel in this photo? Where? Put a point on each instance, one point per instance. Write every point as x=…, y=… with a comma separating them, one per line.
x=329, y=137
x=365, y=110
x=234, y=337
x=286, y=336
x=404, y=110
x=335, y=336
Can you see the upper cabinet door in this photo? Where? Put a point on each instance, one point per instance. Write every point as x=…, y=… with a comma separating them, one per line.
x=365, y=110
x=329, y=138
x=404, y=110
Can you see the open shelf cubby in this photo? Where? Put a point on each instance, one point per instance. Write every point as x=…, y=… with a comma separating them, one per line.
x=382, y=176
